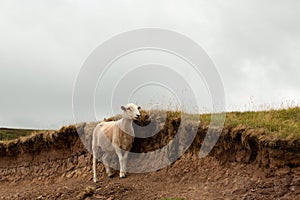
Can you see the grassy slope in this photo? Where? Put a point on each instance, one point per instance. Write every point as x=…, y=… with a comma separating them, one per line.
x=283, y=123
x=9, y=134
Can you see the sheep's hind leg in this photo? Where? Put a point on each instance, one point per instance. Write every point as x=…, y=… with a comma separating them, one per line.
x=94, y=167
x=106, y=165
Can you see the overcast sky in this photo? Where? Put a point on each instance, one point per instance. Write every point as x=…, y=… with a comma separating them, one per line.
x=255, y=45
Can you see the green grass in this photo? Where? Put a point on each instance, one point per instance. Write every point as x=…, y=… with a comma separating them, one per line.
x=283, y=122
x=10, y=134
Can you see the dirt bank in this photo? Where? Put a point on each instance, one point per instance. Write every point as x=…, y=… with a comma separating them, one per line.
x=244, y=164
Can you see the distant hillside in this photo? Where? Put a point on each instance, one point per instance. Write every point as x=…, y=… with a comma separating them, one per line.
x=11, y=133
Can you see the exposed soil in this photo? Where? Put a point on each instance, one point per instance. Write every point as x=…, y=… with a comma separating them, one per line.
x=244, y=164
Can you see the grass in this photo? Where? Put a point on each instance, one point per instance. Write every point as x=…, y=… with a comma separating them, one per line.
x=10, y=133
x=278, y=122
x=282, y=122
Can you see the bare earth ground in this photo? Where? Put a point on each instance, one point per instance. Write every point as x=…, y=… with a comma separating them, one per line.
x=187, y=178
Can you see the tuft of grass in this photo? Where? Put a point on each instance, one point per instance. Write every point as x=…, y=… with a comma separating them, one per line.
x=88, y=192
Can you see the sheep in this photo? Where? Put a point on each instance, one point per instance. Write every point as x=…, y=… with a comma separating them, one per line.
x=115, y=137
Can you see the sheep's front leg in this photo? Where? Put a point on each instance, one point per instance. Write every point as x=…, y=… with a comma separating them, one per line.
x=121, y=161
x=125, y=157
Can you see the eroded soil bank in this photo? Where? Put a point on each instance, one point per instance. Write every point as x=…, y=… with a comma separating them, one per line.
x=244, y=164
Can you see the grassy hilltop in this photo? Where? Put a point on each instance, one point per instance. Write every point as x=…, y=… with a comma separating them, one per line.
x=280, y=123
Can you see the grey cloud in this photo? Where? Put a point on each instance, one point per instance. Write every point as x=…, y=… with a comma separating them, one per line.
x=255, y=45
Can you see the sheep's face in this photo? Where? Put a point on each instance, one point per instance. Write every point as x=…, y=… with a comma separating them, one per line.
x=131, y=111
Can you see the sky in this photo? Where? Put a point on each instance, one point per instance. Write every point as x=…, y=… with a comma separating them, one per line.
x=254, y=44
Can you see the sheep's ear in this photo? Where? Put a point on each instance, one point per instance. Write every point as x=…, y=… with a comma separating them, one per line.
x=123, y=108
x=139, y=108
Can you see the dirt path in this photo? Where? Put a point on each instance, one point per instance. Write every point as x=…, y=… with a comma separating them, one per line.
x=187, y=178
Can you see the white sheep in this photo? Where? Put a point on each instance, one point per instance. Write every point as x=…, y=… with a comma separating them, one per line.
x=115, y=137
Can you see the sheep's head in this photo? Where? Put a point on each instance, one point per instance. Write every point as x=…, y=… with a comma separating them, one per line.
x=131, y=111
